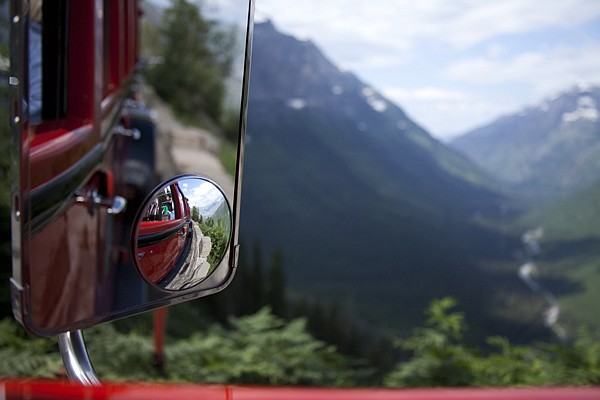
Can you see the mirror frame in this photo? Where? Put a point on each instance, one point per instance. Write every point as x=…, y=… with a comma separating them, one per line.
x=24, y=203
x=137, y=225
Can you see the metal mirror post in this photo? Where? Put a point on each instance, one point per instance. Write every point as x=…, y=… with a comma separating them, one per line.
x=76, y=360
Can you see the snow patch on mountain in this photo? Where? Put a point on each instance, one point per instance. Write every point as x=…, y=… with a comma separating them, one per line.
x=296, y=104
x=376, y=102
x=586, y=109
x=337, y=90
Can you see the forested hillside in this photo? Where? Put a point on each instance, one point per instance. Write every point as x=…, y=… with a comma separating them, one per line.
x=365, y=205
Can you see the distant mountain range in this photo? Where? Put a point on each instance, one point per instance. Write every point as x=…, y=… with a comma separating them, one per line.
x=550, y=155
x=543, y=151
x=365, y=205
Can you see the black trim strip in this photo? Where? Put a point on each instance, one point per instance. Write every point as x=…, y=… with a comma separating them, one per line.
x=153, y=238
x=52, y=198
x=178, y=264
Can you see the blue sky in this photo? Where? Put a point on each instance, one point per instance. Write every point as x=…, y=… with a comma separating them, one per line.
x=453, y=65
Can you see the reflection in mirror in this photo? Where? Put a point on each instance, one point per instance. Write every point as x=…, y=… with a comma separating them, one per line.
x=182, y=233
x=198, y=104
x=132, y=106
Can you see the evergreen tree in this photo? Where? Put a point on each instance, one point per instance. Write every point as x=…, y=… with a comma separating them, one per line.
x=256, y=281
x=275, y=295
x=440, y=358
x=259, y=349
x=196, y=58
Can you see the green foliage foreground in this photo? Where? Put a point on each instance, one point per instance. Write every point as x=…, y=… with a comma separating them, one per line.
x=440, y=358
x=264, y=349
x=258, y=349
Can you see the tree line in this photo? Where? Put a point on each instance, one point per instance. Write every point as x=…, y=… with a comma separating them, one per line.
x=193, y=58
x=255, y=333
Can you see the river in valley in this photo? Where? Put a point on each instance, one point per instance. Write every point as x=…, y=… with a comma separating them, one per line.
x=529, y=270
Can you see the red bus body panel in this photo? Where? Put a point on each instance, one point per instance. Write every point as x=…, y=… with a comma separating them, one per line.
x=50, y=390
x=158, y=259
x=67, y=247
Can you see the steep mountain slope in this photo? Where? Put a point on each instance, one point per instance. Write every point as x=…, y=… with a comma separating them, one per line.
x=546, y=150
x=365, y=205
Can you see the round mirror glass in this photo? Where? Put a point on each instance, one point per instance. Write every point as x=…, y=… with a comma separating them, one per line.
x=182, y=233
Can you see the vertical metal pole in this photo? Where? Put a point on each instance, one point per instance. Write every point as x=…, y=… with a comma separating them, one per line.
x=160, y=328
x=76, y=360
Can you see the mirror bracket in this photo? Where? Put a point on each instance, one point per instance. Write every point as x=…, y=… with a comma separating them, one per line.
x=93, y=200
x=134, y=133
x=17, y=299
x=76, y=360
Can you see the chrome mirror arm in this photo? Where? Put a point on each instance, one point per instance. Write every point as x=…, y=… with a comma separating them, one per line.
x=76, y=360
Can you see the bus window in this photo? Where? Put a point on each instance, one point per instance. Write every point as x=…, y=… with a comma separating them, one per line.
x=54, y=58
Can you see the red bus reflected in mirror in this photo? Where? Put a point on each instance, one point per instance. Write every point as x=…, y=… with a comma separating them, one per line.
x=182, y=233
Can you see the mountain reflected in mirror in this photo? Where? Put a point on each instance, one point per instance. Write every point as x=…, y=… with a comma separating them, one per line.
x=182, y=233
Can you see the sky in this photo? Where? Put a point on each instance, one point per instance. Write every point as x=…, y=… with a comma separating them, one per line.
x=203, y=195
x=452, y=65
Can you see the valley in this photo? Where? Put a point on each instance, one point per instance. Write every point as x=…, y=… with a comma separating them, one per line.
x=368, y=208
x=546, y=156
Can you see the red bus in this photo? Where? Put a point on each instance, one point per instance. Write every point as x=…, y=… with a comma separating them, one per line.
x=93, y=235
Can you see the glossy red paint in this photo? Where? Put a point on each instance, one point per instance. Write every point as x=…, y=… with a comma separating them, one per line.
x=159, y=258
x=57, y=145
x=66, y=246
x=64, y=259
x=50, y=390
x=54, y=151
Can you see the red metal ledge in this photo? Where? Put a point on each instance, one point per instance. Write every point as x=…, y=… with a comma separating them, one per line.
x=50, y=390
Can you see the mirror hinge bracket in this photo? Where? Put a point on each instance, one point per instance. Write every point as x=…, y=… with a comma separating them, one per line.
x=17, y=298
x=133, y=133
x=93, y=200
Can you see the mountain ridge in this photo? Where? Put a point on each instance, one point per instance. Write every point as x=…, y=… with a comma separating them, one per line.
x=364, y=204
x=548, y=149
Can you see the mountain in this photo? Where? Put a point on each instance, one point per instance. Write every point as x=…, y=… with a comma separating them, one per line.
x=365, y=205
x=543, y=151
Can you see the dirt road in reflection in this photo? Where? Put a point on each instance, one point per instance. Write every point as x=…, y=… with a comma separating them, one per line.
x=186, y=150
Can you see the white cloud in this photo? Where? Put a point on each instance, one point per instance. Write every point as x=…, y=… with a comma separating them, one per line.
x=427, y=93
x=477, y=21
x=545, y=71
x=397, y=24
x=411, y=51
x=447, y=112
x=202, y=195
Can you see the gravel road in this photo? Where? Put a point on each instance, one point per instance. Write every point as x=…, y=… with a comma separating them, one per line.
x=182, y=149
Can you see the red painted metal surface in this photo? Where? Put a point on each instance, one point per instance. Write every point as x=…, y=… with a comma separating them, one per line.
x=67, y=252
x=158, y=259
x=57, y=144
x=150, y=227
x=50, y=390
x=64, y=264
x=56, y=150
x=159, y=332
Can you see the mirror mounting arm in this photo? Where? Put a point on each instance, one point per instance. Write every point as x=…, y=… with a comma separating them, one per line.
x=134, y=133
x=93, y=200
x=76, y=360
